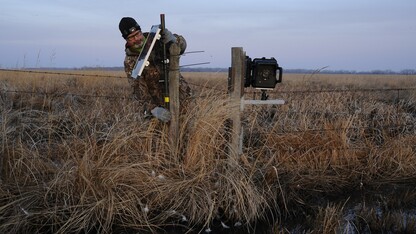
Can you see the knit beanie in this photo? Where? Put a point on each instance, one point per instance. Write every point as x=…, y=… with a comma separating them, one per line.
x=128, y=25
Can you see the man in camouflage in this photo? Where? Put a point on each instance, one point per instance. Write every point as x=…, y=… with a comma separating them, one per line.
x=149, y=88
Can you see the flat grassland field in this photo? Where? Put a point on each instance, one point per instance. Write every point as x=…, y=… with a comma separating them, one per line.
x=79, y=156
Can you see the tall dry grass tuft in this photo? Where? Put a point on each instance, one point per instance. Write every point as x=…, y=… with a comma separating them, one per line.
x=204, y=130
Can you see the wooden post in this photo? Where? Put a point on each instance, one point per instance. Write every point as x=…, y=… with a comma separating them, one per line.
x=237, y=92
x=174, y=92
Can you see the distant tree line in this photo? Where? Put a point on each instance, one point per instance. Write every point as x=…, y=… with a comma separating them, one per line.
x=375, y=72
x=222, y=69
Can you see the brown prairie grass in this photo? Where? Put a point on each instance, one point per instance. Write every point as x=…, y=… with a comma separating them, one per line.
x=78, y=156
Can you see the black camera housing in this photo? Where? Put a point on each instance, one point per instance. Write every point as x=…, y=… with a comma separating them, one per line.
x=262, y=73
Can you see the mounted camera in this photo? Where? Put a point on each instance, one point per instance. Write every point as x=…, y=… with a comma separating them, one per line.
x=261, y=73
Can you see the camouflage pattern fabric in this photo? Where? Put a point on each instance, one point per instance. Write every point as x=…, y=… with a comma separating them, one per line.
x=148, y=89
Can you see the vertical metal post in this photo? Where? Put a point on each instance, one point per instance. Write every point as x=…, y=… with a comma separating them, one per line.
x=237, y=92
x=165, y=70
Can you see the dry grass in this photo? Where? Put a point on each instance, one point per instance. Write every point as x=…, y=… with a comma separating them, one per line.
x=91, y=163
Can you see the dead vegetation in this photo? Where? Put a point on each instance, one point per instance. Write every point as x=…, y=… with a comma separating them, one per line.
x=77, y=156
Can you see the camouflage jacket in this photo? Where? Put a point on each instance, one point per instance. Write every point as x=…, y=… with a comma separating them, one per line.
x=149, y=88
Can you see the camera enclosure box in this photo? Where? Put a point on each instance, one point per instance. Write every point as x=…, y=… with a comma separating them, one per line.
x=262, y=73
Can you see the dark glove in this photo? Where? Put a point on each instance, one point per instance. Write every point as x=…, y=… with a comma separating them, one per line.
x=161, y=114
x=167, y=37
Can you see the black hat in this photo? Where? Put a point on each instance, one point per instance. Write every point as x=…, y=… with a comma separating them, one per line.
x=128, y=25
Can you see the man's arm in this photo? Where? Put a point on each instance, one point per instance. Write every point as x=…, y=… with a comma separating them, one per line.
x=168, y=38
x=129, y=63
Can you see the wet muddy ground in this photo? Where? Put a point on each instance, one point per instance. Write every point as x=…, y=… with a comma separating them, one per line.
x=387, y=209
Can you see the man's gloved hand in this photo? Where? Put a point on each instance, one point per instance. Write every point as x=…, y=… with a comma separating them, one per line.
x=167, y=36
x=161, y=114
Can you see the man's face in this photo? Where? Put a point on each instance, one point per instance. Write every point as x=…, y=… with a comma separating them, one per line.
x=135, y=38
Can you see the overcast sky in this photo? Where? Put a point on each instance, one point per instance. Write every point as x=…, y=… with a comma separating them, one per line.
x=359, y=35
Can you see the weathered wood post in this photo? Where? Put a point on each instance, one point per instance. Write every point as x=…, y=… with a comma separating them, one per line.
x=236, y=96
x=174, y=75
